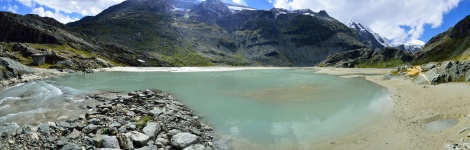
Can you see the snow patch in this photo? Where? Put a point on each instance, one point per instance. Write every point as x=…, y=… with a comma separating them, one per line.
x=239, y=8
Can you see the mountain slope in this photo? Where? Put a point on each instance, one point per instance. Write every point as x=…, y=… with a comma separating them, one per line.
x=452, y=44
x=210, y=33
x=63, y=48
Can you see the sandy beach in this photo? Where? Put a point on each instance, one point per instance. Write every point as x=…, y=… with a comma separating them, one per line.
x=414, y=105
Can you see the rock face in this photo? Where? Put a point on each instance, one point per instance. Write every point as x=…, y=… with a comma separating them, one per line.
x=13, y=69
x=33, y=29
x=353, y=58
x=99, y=127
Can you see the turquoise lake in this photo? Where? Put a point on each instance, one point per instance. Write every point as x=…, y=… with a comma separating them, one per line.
x=284, y=107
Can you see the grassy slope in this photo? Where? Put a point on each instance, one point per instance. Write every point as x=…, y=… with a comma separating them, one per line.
x=59, y=49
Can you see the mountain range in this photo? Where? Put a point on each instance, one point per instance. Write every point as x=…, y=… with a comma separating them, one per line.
x=214, y=32
x=197, y=33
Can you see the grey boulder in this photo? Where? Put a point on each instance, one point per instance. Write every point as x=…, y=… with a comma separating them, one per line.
x=151, y=129
x=183, y=140
x=132, y=140
x=71, y=146
x=110, y=142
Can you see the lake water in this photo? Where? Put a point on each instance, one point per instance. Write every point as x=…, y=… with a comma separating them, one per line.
x=280, y=108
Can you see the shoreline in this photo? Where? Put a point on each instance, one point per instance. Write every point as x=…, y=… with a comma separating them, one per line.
x=40, y=75
x=414, y=105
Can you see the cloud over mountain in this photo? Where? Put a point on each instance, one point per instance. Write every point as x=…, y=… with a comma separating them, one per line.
x=402, y=21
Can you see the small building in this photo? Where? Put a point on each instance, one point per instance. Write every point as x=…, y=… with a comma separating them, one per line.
x=38, y=59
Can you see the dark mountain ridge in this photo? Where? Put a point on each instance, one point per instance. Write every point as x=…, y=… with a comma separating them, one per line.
x=22, y=36
x=209, y=33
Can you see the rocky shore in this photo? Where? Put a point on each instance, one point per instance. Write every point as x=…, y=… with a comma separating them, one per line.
x=148, y=119
x=435, y=73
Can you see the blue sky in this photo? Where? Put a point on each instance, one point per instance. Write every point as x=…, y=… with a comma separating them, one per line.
x=401, y=21
x=450, y=19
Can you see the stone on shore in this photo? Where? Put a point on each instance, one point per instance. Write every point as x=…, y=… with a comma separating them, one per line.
x=44, y=128
x=183, y=140
x=138, y=139
x=71, y=146
x=109, y=142
x=151, y=129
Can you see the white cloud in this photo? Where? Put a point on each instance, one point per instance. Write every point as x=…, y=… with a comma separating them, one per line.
x=56, y=15
x=28, y=3
x=242, y=2
x=83, y=7
x=12, y=8
x=62, y=7
x=415, y=42
x=386, y=17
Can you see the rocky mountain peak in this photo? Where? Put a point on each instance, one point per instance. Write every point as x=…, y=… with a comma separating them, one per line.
x=304, y=11
x=212, y=7
x=280, y=11
x=368, y=35
x=356, y=25
x=323, y=13
x=213, y=1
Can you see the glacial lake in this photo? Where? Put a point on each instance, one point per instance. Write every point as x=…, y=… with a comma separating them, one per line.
x=280, y=108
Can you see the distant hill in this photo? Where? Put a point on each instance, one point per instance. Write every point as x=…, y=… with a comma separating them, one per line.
x=451, y=44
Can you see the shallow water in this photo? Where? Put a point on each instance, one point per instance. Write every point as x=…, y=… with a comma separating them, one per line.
x=39, y=101
x=440, y=125
x=280, y=108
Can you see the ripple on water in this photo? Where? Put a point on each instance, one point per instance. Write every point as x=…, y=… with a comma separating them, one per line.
x=38, y=101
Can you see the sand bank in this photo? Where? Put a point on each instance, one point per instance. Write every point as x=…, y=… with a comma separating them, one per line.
x=413, y=107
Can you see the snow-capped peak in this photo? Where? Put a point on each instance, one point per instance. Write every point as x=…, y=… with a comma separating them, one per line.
x=413, y=45
x=365, y=32
x=235, y=7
